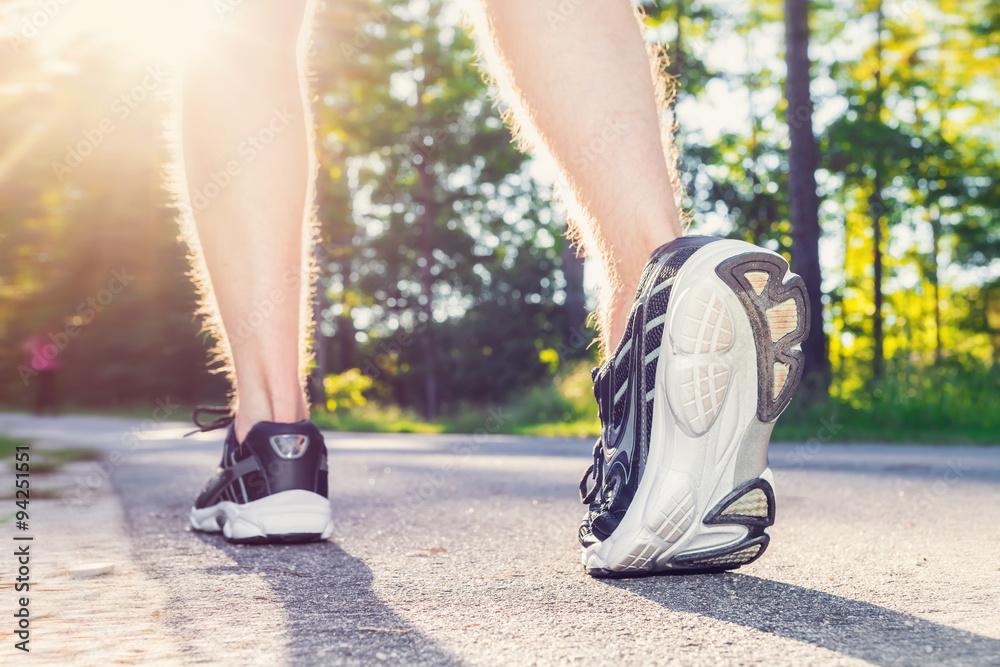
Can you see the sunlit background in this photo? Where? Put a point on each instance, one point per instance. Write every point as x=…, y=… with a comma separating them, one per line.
x=506, y=302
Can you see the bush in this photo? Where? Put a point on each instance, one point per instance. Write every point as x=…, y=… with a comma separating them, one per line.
x=373, y=418
x=948, y=404
x=562, y=407
x=347, y=389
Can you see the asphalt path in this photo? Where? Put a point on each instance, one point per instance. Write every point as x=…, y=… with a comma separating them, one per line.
x=462, y=550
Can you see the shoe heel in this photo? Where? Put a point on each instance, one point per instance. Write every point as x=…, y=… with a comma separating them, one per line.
x=285, y=517
x=777, y=305
x=751, y=505
x=728, y=558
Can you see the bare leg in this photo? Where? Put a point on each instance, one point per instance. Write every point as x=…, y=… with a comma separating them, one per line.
x=579, y=82
x=249, y=167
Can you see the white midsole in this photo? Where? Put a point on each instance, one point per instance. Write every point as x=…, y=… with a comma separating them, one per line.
x=284, y=513
x=688, y=474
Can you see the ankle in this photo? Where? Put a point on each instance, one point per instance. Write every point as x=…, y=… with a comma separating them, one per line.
x=614, y=313
x=254, y=409
x=613, y=319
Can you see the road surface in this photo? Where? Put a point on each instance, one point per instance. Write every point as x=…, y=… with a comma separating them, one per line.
x=462, y=550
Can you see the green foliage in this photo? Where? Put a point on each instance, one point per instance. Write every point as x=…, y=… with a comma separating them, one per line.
x=451, y=272
x=63, y=235
x=346, y=389
x=950, y=404
x=444, y=283
x=568, y=398
x=47, y=461
x=374, y=418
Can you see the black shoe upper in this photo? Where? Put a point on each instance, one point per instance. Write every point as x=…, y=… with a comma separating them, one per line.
x=623, y=387
x=273, y=458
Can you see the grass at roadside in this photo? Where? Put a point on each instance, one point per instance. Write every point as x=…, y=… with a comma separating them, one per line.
x=373, y=418
x=45, y=461
x=932, y=408
x=941, y=405
x=8, y=446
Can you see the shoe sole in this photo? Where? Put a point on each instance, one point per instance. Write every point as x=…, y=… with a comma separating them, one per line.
x=730, y=361
x=281, y=518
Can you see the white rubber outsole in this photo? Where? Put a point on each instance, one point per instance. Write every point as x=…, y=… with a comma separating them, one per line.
x=705, y=426
x=295, y=516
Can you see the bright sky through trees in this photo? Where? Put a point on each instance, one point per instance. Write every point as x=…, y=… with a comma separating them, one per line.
x=928, y=134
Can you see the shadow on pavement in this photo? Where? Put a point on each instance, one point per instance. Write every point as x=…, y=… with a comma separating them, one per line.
x=331, y=612
x=855, y=629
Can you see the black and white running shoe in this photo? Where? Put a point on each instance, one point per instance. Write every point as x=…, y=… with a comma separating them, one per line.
x=270, y=489
x=711, y=356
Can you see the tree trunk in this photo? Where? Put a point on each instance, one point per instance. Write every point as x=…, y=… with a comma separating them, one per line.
x=757, y=218
x=430, y=353
x=315, y=388
x=803, y=200
x=933, y=217
x=575, y=335
x=676, y=65
x=877, y=333
x=425, y=198
x=936, y=277
x=345, y=327
x=878, y=209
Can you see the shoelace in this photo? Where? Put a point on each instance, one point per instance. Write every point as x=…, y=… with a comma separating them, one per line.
x=596, y=470
x=222, y=422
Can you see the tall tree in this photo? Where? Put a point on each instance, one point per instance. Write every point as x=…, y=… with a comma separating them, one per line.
x=803, y=200
x=876, y=205
x=575, y=333
x=453, y=294
x=87, y=201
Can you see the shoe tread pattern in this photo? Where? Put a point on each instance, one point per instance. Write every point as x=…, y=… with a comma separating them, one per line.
x=778, y=310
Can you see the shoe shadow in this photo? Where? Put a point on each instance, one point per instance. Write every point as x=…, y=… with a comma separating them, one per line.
x=320, y=597
x=851, y=628
x=333, y=613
